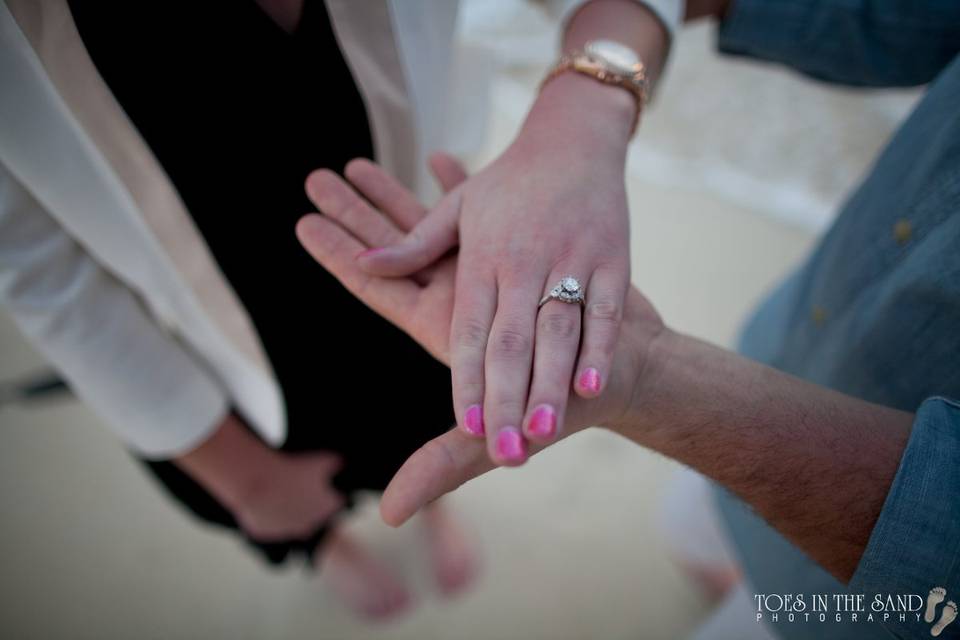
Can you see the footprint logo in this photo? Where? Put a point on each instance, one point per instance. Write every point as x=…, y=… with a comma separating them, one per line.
x=937, y=594
x=948, y=615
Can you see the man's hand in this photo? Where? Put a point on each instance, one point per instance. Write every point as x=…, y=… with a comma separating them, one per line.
x=274, y=496
x=816, y=464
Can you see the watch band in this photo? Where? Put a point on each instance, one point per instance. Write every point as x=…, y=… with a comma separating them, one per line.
x=636, y=83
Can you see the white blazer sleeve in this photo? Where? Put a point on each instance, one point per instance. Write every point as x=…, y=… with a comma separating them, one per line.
x=141, y=380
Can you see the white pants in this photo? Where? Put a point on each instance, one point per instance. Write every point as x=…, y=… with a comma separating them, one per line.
x=695, y=535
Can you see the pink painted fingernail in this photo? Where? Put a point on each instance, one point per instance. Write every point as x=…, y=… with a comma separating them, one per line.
x=369, y=252
x=510, y=445
x=543, y=422
x=473, y=420
x=590, y=380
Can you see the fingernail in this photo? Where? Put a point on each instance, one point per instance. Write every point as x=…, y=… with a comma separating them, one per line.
x=543, y=422
x=590, y=380
x=369, y=252
x=510, y=446
x=473, y=420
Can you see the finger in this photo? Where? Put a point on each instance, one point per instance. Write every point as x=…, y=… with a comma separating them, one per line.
x=337, y=199
x=601, y=326
x=392, y=198
x=507, y=368
x=555, y=352
x=394, y=298
x=436, y=468
x=326, y=502
x=448, y=171
x=386, y=193
x=319, y=467
x=325, y=463
x=432, y=237
x=474, y=308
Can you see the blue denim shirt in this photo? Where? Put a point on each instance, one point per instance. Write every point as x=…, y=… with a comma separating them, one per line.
x=874, y=312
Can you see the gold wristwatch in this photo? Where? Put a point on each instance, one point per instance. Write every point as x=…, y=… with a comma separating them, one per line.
x=611, y=63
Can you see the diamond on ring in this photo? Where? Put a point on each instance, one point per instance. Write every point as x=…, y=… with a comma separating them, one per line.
x=567, y=290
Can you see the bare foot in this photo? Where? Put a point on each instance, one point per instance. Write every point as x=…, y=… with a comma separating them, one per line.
x=360, y=581
x=452, y=554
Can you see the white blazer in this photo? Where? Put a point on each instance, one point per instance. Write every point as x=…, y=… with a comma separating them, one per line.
x=100, y=263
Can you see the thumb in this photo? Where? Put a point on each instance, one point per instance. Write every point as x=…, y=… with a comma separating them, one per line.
x=447, y=170
x=422, y=246
x=436, y=468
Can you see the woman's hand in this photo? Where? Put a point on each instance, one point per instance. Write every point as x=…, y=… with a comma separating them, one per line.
x=274, y=496
x=553, y=205
x=422, y=306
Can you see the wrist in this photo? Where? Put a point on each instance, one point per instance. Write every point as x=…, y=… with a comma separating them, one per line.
x=578, y=112
x=228, y=464
x=650, y=392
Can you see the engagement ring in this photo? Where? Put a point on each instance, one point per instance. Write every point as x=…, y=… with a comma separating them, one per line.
x=567, y=290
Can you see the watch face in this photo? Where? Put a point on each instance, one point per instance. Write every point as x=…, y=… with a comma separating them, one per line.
x=620, y=57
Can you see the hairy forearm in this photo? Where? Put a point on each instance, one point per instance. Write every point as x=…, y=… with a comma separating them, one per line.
x=814, y=463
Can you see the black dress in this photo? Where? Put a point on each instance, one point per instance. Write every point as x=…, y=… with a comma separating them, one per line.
x=238, y=112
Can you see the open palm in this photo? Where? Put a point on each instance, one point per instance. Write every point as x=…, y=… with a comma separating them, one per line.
x=420, y=305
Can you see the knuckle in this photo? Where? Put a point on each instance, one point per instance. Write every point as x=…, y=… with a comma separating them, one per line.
x=557, y=325
x=471, y=334
x=353, y=209
x=469, y=387
x=509, y=344
x=440, y=455
x=606, y=310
